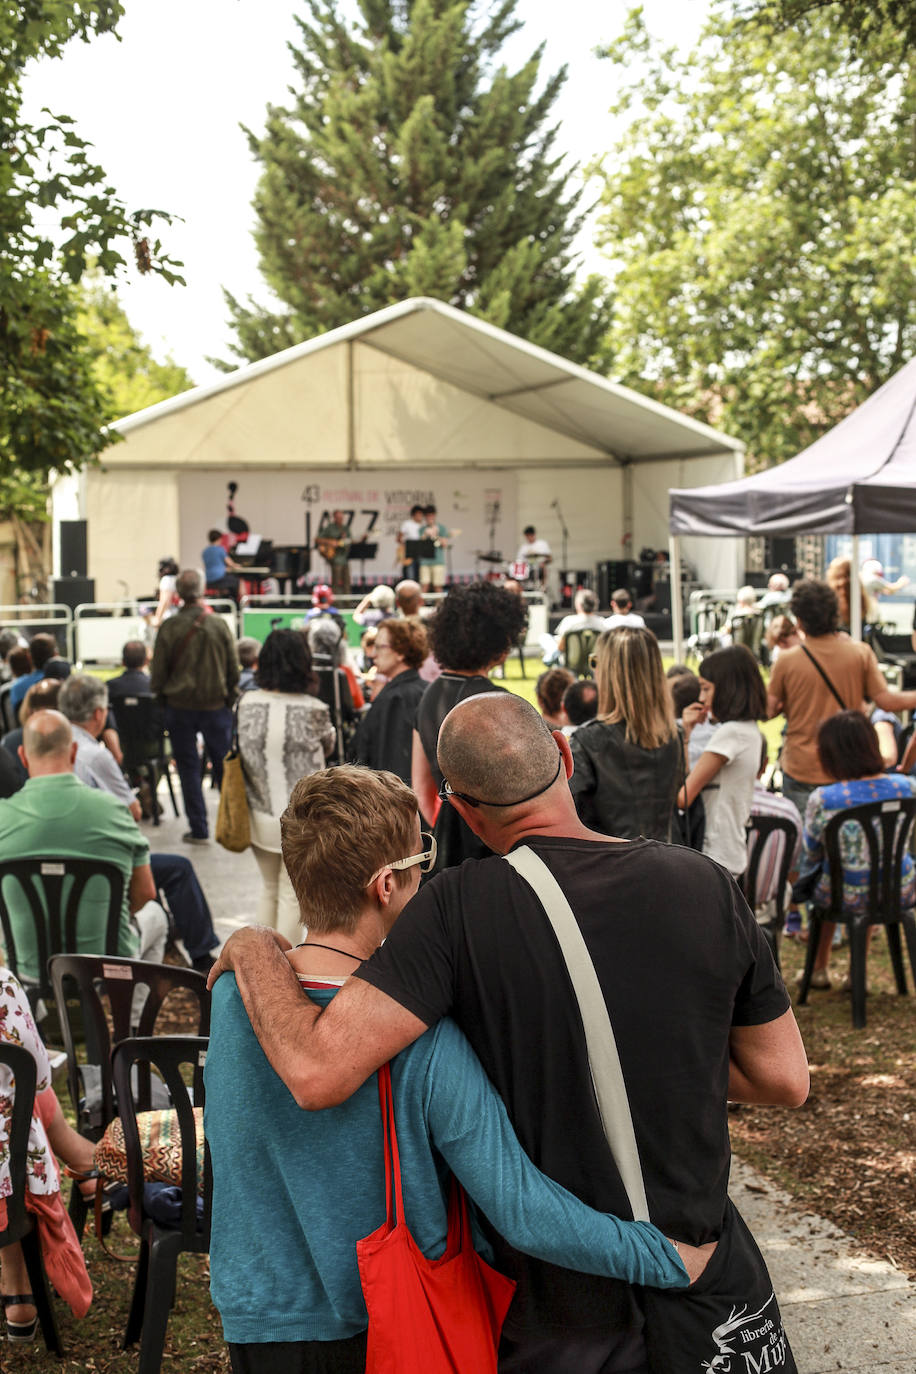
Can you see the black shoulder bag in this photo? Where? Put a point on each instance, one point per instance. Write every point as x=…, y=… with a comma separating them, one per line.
x=808, y=654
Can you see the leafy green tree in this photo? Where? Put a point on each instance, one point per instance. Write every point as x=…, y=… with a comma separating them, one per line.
x=410, y=163
x=864, y=19
x=129, y=375
x=52, y=408
x=761, y=212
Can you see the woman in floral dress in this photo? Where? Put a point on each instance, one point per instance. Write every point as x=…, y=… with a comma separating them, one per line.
x=49, y=1133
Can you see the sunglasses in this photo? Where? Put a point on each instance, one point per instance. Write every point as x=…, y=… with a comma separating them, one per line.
x=446, y=790
x=426, y=858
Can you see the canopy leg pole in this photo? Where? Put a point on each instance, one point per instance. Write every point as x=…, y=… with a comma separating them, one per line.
x=677, y=604
x=855, y=594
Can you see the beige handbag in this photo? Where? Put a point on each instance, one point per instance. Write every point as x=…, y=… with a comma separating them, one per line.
x=233, y=827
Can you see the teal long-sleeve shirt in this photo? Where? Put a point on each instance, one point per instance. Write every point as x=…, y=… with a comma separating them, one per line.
x=293, y=1191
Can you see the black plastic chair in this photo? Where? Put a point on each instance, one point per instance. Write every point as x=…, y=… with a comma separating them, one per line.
x=141, y=726
x=58, y=932
x=19, y=1224
x=895, y=650
x=886, y=826
x=759, y=832
x=577, y=650
x=160, y=1246
x=334, y=691
x=95, y=1000
x=7, y=715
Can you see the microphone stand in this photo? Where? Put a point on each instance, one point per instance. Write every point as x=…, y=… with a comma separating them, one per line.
x=564, y=531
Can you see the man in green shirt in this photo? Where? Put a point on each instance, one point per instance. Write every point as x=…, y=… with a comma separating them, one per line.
x=333, y=543
x=56, y=816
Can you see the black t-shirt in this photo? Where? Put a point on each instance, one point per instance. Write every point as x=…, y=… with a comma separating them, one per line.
x=680, y=960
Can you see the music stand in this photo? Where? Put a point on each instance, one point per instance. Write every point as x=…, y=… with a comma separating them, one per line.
x=364, y=551
x=418, y=550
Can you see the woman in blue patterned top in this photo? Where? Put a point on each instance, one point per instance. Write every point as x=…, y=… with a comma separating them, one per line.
x=849, y=751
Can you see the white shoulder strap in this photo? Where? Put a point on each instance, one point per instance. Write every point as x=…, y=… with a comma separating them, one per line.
x=604, y=1061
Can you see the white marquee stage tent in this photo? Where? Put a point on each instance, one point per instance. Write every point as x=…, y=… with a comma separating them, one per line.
x=416, y=402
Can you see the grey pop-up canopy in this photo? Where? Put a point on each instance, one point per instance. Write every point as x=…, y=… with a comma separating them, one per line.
x=860, y=478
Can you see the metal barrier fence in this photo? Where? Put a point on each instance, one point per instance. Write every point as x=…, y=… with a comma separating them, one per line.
x=58, y=619
x=96, y=631
x=101, y=628
x=261, y=613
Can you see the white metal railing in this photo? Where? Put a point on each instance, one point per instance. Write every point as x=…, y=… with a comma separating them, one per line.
x=39, y=618
x=100, y=629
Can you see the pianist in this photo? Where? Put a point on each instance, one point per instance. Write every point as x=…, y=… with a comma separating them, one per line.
x=219, y=568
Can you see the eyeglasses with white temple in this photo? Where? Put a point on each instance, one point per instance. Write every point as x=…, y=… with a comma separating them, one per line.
x=425, y=859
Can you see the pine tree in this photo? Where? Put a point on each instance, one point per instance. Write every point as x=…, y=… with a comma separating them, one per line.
x=410, y=163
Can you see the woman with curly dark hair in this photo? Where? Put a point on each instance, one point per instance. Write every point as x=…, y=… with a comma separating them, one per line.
x=385, y=736
x=285, y=733
x=473, y=632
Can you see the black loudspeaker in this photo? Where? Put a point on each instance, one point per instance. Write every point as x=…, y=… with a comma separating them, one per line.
x=779, y=553
x=661, y=592
x=73, y=591
x=614, y=573
x=73, y=555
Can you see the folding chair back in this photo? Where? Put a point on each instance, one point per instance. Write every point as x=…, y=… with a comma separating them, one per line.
x=95, y=996
x=160, y=1246
x=578, y=648
x=141, y=726
x=19, y=1225
x=886, y=826
x=760, y=832
x=7, y=714
x=47, y=913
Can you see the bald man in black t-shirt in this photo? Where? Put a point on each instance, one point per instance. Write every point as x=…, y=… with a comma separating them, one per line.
x=699, y=1012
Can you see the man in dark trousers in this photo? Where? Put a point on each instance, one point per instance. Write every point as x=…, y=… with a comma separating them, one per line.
x=699, y=1012
x=195, y=670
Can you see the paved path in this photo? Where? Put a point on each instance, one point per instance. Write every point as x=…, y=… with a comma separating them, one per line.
x=843, y=1309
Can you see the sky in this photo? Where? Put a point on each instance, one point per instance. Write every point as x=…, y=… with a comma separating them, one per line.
x=163, y=109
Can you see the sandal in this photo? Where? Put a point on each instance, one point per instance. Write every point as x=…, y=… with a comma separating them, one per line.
x=20, y=1331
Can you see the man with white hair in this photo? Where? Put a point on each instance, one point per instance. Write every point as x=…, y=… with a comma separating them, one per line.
x=196, y=671
x=699, y=1012
x=776, y=594
x=585, y=617
x=56, y=816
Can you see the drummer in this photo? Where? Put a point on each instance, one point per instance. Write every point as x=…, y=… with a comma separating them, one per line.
x=535, y=552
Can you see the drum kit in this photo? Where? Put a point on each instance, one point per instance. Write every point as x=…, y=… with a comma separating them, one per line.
x=528, y=574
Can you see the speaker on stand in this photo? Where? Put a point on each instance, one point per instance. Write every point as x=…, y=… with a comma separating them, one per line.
x=73, y=548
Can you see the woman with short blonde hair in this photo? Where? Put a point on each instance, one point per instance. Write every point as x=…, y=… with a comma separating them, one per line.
x=628, y=761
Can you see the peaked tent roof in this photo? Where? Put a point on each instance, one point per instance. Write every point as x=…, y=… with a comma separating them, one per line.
x=374, y=393
x=859, y=478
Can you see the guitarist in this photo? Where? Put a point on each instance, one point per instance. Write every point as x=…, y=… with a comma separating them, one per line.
x=432, y=570
x=333, y=543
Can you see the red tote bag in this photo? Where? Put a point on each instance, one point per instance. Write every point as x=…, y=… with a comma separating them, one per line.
x=440, y=1316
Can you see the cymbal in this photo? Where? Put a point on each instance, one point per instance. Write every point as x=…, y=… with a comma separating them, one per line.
x=491, y=557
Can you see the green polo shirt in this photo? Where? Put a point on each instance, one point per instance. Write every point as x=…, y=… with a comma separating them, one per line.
x=60, y=817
